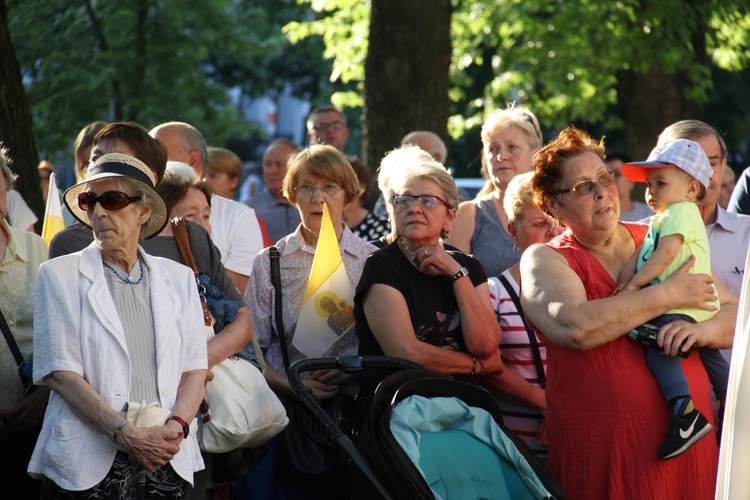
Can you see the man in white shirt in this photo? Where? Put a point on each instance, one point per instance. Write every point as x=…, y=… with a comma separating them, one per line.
x=235, y=229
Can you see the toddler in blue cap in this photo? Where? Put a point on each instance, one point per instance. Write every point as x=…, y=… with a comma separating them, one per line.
x=676, y=174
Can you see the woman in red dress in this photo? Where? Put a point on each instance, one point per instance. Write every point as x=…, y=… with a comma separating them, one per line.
x=606, y=416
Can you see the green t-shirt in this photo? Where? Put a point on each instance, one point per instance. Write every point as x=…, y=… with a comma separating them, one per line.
x=681, y=218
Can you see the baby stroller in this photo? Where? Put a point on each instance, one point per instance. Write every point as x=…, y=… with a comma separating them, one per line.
x=429, y=436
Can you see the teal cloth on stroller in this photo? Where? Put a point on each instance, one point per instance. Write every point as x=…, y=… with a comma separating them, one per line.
x=460, y=450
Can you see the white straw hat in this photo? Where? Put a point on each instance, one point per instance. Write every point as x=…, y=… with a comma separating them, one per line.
x=120, y=165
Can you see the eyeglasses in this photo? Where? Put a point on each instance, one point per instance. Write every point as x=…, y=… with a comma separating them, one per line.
x=111, y=200
x=425, y=201
x=324, y=127
x=584, y=187
x=308, y=191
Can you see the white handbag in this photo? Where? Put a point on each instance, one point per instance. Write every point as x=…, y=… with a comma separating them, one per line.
x=244, y=411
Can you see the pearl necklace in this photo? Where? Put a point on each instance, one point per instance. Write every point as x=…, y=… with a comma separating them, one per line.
x=128, y=280
x=412, y=255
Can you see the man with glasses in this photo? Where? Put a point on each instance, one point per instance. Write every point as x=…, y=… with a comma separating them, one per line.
x=327, y=125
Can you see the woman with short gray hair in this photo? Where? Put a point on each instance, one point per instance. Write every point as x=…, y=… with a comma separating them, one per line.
x=416, y=300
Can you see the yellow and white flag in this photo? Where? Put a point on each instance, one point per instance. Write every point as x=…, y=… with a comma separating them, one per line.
x=53, y=217
x=327, y=311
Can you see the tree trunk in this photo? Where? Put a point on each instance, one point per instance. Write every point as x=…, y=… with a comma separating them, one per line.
x=15, y=121
x=406, y=73
x=654, y=101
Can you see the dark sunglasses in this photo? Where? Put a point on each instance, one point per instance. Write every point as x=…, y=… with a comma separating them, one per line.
x=111, y=200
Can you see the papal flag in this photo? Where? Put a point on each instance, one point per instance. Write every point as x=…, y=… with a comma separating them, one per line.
x=734, y=456
x=53, y=217
x=327, y=310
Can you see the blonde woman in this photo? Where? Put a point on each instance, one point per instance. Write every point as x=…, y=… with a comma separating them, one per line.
x=510, y=137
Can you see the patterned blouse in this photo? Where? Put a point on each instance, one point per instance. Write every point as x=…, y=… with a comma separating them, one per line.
x=18, y=268
x=372, y=227
x=295, y=264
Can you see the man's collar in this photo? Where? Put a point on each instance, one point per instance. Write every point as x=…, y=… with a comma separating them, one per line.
x=14, y=249
x=726, y=220
x=273, y=201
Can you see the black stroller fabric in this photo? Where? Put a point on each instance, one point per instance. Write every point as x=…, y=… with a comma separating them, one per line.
x=429, y=436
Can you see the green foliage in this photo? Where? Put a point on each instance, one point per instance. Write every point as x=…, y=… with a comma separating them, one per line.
x=563, y=59
x=154, y=61
x=730, y=43
x=343, y=25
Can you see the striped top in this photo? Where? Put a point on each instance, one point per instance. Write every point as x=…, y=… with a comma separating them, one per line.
x=133, y=304
x=517, y=356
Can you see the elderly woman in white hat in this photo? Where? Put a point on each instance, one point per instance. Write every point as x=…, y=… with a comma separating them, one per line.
x=114, y=326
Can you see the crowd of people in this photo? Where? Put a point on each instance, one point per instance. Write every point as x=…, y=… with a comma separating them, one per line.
x=538, y=291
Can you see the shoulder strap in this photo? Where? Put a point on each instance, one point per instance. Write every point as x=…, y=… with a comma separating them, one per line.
x=12, y=345
x=275, y=255
x=533, y=344
x=179, y=229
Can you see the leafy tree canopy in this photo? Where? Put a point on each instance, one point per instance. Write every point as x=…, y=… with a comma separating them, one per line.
x=153, y=61
x=562, y=59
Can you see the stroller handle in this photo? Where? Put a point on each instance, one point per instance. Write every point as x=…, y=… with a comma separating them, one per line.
x=347, y=364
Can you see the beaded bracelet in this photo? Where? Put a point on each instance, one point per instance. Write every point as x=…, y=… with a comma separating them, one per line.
x=484, y=368
x=473, y=366
x=119, y=428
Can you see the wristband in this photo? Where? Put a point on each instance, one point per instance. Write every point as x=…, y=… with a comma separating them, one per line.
x=119, y=428
x=460, y=274
x=185, y=426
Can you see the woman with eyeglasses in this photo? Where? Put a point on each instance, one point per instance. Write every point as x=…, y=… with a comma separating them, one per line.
x=113, y=327
x=415, y=299
x=316, y=176
x=606, y=416
x=510, y=137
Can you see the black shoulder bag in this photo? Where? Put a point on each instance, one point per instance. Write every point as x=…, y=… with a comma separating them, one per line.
x=533, y=344
x=308, y=455
x=24, y=367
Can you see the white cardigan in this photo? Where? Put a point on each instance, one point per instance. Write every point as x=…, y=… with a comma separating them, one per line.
x=77, y=328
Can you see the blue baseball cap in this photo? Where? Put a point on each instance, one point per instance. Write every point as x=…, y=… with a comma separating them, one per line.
x=681, y=153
